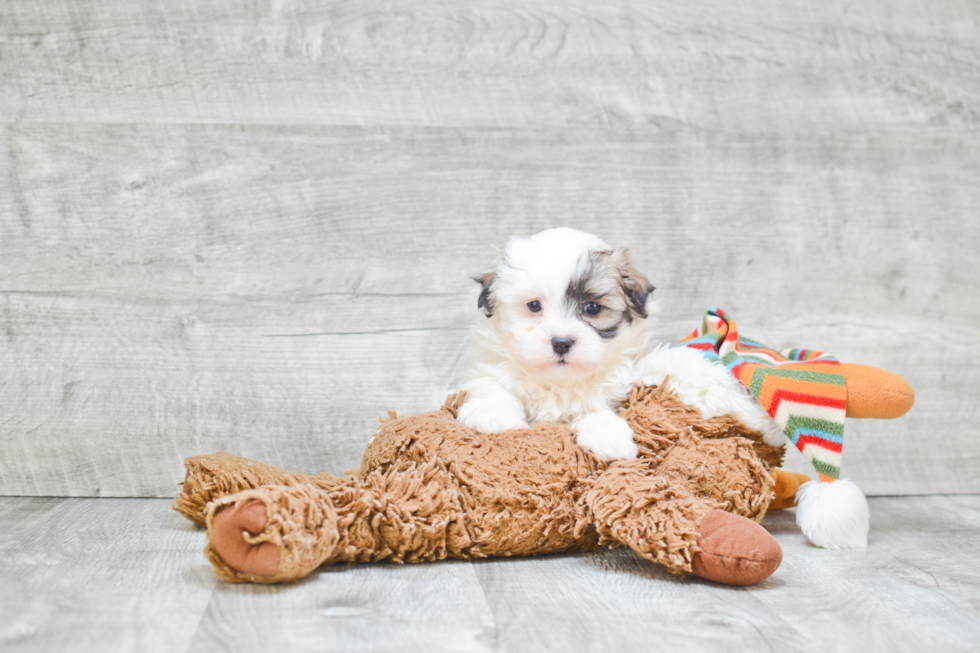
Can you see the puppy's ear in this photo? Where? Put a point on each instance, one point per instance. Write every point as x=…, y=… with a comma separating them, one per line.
x=486, y=299
x=635, y=286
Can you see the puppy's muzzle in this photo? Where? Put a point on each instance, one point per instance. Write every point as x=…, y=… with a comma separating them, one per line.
x=561, y=345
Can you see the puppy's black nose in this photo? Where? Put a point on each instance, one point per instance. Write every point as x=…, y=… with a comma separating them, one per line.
x=561, y=345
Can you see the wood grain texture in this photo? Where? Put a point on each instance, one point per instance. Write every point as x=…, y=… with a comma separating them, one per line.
x=716, y=66
x=145, y=386
x=276, y=309
x=129, y=574
x=882, y=224
x=913, y=589
x=911, y=580
x=426, y=607
x=99, y=575
x=250, y=226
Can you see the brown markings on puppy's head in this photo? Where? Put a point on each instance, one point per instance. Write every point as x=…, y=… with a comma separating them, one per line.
x=607, y=290
x=486, y=299
x=635, y=286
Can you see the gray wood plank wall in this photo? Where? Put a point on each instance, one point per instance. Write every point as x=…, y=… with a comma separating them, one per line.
x=249, y=226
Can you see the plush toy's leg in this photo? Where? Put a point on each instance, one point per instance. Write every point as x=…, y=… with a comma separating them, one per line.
x=406, y=513
x=631, y=504
x=212, y=476
x=785, y=487
x=725, y=471
x=872, y=392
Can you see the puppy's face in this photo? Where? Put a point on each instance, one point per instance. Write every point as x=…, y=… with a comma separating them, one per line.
x=564, y=304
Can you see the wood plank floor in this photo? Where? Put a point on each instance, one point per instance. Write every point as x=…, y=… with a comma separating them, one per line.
x=128, y=575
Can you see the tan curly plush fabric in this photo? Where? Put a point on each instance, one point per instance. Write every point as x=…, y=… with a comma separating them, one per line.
x=429, y=488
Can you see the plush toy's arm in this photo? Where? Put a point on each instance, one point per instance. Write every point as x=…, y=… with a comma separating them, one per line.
x=872, y=392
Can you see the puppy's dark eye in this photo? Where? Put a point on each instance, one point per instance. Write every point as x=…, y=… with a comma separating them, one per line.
x=534, y=307
x=592, y=308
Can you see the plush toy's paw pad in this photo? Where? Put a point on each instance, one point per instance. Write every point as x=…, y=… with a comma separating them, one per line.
x=734, y=550
x=228, y=531
x=607, y=435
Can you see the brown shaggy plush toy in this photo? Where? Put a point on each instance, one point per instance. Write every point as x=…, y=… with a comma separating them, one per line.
x=430, y=488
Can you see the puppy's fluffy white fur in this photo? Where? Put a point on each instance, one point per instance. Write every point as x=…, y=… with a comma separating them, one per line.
x=565, y=338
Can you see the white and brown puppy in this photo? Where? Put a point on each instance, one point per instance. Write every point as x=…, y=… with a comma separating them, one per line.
x=564, y=331
x=565, y=339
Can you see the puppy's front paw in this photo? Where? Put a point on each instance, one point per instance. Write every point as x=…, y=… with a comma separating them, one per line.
x=490, y=417
x=607, y=435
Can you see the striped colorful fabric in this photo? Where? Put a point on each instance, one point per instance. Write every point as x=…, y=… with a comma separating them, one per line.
x=803, y=390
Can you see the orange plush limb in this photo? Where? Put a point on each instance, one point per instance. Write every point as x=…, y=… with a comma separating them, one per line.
x=872, y=392
x=785, y=486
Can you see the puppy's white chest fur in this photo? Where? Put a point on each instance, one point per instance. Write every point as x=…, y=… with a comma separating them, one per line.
x=565, y=401
x=565, y=404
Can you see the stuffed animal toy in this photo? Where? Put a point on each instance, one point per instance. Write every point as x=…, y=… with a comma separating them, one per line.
x=430, y=488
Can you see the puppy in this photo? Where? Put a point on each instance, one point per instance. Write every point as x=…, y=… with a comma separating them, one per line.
x=566, y=337
x=564, y=330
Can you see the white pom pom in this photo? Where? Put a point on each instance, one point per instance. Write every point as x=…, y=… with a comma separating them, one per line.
x=833, y=515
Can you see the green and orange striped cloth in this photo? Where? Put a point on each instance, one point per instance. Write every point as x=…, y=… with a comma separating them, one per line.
x=802, y=390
